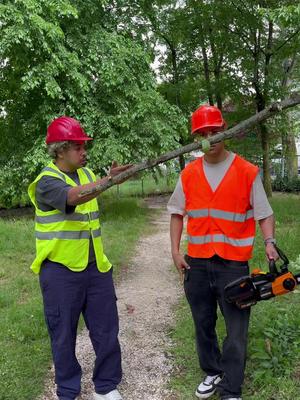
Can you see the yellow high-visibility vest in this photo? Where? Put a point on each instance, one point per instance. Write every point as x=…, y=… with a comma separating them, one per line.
x=65, y=238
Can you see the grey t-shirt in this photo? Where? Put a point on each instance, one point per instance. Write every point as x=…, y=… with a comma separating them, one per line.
x=51, y=194
x=214, y=174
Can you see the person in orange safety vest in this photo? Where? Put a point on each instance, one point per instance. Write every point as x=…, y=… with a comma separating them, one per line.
x=222, y=196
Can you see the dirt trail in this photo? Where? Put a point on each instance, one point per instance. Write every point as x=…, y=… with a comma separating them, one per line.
x=147, y=294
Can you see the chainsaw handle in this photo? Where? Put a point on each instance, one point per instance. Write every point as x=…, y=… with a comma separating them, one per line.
x=283, y=267
x=282, y=255
x=272, y=267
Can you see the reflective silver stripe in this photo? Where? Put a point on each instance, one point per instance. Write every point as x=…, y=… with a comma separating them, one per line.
x=203, y=212
x=234, y=242
x=227, y=215
x=62, y=235
x=94, y=215
x=87, y=173
x=199, y=239
x=96, y=233
x=54, y=171
x=48, y=219
x=231, y=216
x=219, y=238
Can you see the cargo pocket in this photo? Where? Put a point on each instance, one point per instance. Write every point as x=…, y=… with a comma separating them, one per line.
x=52, y=317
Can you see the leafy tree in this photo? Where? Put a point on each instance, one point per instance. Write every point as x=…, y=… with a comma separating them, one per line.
x=230, y=52
x=76, y=58
x=263, y=43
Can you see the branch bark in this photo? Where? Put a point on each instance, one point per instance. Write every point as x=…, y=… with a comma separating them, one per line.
x=243, y=126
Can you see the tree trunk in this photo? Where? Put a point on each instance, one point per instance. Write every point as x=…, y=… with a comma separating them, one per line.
x=260, y=99
x=264, y=135
x=206, y=67
x=207, y=76
x=217, y=62
x=175, y=82
x=289, y=149
x=290, y=155
x=181, y=162
x=265, y=145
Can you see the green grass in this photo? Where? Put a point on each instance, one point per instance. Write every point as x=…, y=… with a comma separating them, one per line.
x=25, y=351
x=147, y=183
x=146, y=186
x=273, y=367
x=123, y=222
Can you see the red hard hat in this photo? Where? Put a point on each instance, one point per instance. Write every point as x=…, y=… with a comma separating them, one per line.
x=65, y=129
x=207, y=118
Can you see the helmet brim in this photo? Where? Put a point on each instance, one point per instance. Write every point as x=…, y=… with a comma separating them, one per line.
x=80, y=139
x=211, y=128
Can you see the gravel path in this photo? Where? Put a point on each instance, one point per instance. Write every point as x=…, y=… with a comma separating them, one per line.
x=147, y=294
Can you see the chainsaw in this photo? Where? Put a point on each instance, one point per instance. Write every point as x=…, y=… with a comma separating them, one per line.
x=248, y=290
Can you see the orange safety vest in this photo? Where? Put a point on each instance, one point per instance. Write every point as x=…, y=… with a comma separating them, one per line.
x=220, y=222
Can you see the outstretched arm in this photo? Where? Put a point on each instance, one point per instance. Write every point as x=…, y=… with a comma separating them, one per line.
x=74, y=195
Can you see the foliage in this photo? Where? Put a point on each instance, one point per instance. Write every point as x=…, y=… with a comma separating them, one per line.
x=237, y=55
x=275, y=344
x=16, y=176
x=286, y=185
x=92, y=60
x=73, y=58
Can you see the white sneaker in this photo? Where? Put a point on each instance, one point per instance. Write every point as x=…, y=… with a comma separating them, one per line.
x=113, y=395
x=208, y=387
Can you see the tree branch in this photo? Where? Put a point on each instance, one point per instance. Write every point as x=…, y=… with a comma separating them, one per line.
x=286, y=41
x=243, y=126
x=236, y=32
x=242, y=12
x=288, y=67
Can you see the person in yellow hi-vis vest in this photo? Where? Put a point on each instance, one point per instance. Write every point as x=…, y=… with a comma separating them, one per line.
x=75, y=274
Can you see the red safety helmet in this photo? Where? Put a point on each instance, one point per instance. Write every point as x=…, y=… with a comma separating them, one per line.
x=207, y=118
x=66, y=129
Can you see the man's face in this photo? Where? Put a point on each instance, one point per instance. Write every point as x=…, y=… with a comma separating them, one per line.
x=74, y=156
x=215, y=148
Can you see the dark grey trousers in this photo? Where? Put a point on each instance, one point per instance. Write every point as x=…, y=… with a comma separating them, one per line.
x=204, y=288
x=67, y=294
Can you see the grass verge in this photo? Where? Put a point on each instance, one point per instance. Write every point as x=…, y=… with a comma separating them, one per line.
x=25, y=351
x=273, y=367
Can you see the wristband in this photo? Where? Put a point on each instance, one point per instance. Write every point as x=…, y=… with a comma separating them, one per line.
x=270, y=240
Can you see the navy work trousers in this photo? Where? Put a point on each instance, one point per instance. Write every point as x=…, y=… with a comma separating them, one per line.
x=67, y=294
x=204, y=288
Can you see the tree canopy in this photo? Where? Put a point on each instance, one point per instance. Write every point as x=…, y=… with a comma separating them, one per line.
x=93, y=61
x=74, y=58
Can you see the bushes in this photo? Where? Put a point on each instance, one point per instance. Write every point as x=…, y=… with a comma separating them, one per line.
x=286, y=185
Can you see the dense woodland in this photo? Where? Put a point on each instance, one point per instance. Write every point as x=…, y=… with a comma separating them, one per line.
x=133, y=71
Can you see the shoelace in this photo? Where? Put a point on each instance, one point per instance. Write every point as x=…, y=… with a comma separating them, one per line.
x=209, y=379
